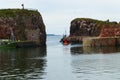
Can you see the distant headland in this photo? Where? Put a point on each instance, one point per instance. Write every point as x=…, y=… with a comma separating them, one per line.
x=52, y=35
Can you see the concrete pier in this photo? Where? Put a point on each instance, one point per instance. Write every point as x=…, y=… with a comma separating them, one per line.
x=101, y=41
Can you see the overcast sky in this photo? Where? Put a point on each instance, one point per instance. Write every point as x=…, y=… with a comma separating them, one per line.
x=57, y=14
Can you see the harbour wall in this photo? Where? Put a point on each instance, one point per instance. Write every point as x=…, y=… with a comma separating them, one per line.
x=101, y=41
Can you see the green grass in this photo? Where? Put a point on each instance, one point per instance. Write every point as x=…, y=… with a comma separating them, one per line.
x=99, y=23
x=94, y=20
x=15, y=12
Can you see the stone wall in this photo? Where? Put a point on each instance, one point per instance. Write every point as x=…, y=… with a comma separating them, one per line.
x=99, y=42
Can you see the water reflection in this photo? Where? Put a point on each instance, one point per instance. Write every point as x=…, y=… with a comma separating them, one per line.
x=98, y=63
x=22, y=64
x=87, y=50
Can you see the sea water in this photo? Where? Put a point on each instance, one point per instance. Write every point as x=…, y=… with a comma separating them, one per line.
x=59, y=62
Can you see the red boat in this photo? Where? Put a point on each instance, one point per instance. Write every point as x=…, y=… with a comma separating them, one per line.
x=65, y=42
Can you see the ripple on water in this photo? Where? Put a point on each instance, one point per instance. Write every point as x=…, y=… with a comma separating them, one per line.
x=96, y=67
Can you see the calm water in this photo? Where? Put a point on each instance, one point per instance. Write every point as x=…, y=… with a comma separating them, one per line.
x=58, y=62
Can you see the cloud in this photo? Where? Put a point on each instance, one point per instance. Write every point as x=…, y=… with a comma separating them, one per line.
x=57, y=14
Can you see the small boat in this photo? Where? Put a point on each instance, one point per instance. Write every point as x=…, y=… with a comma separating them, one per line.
x=65, y=42
x=64, y=39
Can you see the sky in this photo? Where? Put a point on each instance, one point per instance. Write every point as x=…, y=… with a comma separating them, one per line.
x=57, y=14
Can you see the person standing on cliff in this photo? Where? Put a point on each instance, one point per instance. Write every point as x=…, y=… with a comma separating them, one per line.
x=22, y=6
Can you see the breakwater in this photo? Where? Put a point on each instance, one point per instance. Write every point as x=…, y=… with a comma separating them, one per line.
x=101, y=41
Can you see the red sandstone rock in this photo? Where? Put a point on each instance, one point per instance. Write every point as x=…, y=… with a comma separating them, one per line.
x=110, y=31
x=25, y=25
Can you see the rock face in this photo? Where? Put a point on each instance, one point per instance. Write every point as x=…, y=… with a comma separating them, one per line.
x=23, y=25
x=110, y=31
x=87, y=27
x=95, y=33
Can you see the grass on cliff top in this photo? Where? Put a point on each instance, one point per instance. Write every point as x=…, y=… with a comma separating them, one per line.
x=98, y=23
x=15, y=12
x=95, y=21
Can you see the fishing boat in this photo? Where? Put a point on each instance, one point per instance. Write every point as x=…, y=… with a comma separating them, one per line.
x=64, y=40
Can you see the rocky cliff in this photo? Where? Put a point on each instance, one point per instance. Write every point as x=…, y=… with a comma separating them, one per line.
x=88, y=27
x=22, y=25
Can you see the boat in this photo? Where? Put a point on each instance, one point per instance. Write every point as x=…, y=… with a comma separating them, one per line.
x=64, y=40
